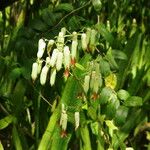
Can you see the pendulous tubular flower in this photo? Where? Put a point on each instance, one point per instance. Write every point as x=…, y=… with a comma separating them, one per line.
x=59, y=61
x=48, y=60
x=66, y=57
x=34, y=71
x=84, y=41
x=63, y=30
x=50, y=45
x=41, y=48
x=92, y=81
x=92, y=40
x=64, y=118
x=74, y=45
x=54, y=57
x=60, y=41
x=77, y=120
x=86, y=83
x=53, y=77
x=39, y=65
x=43, y=75
x=88, y=35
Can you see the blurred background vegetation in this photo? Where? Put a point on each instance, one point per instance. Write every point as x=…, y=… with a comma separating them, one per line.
x=24, y=110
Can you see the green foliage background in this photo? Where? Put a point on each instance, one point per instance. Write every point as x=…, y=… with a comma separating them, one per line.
x=30, y=113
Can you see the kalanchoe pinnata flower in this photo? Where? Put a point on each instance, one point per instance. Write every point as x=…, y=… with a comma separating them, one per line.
x=88, y=35
x=59, y=61
x=50, y=45
x=96, y=83
x=54, y=57
x=34, y=71
x=86, y=83
x=41, y=48
x=52, y=76
x=92, y=81
x=77, y=120
x=48, y=60
x=63, y=118
x=60, y=41
x=63, y=30
x=84, y=41
x=39, y=65
x=66, y=57
x=74, y=47
x=43, y=75
x=92, y=43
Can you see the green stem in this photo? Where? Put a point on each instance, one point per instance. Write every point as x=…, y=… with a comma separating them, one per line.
x=86, y=138
x=45, y=141
x=37, y=113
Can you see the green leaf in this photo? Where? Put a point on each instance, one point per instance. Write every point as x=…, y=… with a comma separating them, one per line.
x=16, y=139
x=105, y=33
x=94, y=127
x=39, y=25
x=1, y=146
x=79, y=66
x=134, y=101
x=59, y=142
x=18, y=97
x=123, y=94
x=45, y=141
x=105, y=95
x=64, y=7
x=121, y=115
x=15, y=73
x=6, y=121
x=112, y=107
x=110, y=58
x=111, y=125
x=92, y=112
x=119, y=55
x=104, y=67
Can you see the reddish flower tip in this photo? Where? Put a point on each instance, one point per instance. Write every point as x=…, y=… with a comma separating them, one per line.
x=63, y=134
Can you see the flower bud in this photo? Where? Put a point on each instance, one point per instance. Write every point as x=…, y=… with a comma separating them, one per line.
x=53, y=77
x=84, y=41
x=43, y=75
x=66, y=57
x=59, y=61
x=63, y=30
x=41, y=48
x=34, y=71
x=86, y=83
x=77, y=120
x=50, y=45
x=108, y=25
x=54, y=57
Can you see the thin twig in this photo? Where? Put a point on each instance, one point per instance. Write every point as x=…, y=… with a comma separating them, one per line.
x=70, y=14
